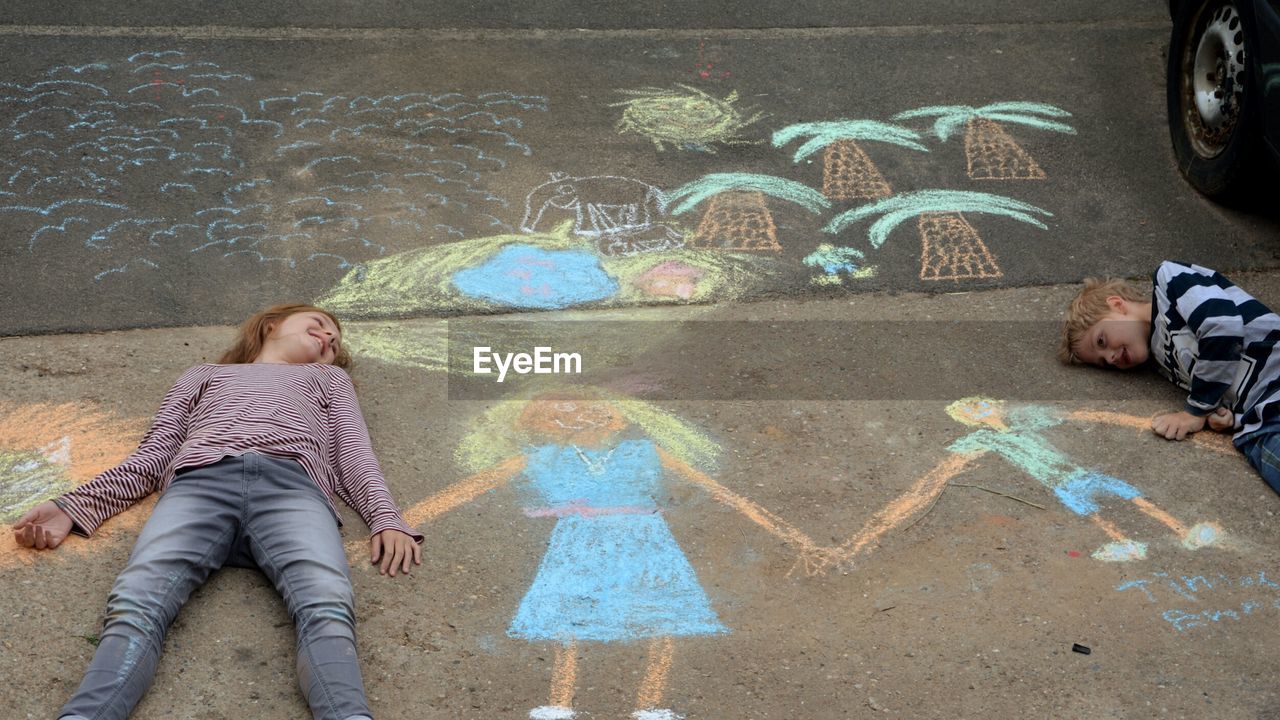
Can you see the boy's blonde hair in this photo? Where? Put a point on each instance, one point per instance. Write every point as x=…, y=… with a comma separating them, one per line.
x=1089, y=307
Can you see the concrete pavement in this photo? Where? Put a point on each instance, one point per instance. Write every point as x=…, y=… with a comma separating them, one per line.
x=937, y=590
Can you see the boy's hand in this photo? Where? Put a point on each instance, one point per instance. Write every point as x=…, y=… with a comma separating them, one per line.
x=43, y=527
x=1222, y=420
x=395, y=549
x=1177, y=425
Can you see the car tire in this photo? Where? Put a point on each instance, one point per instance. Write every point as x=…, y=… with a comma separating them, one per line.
x=1213, y=118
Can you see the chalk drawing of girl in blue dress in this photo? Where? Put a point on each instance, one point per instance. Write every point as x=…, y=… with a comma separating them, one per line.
x=613, y=571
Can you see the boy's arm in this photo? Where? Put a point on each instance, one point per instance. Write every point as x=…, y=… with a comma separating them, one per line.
x=1222, y=420
x=1220, y=341
x=1177, y=425
x=1212, y=307
x=360, y=481
x=115, y=490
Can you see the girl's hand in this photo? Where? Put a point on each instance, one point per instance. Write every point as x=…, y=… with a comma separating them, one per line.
x=43, y=527
x=395, y=549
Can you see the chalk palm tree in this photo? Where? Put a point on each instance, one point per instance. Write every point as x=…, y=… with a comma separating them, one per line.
x=847, y=172
x=737, y=217
x=951, y=248
x=991, y=152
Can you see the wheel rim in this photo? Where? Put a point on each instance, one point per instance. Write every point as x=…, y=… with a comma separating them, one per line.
x=1214, y=81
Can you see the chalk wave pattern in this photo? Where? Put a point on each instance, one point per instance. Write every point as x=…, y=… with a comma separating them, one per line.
x=142, y=163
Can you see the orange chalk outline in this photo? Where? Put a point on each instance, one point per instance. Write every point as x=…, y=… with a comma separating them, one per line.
x=565, y=676
x=757, y=514
x=951, y=249
x=916, y=498
x=849, y=174
x=1107, y=527
x=726, y=224
x=12, y=554
x=993, y=154
x=661, y=654
x=460, y=493
x=464, y=491
x=1165, y=518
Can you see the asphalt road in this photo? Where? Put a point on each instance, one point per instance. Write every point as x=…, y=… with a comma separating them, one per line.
x=960, y=587
x=160, y=175
x=570, y=15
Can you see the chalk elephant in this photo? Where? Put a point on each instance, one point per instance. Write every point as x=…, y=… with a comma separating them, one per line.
x=599, y=205
x=620, y=212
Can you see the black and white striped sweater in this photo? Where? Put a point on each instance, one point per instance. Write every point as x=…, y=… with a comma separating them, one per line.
x=1218, y=342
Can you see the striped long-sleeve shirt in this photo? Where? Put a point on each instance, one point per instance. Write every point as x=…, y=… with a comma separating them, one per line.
x=303, y=412
x=1217, y=342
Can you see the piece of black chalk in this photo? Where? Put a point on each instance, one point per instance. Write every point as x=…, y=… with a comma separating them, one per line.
x=1082, y=649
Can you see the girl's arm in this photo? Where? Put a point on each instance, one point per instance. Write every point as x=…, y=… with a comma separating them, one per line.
x=139, y=475
x=361, y=484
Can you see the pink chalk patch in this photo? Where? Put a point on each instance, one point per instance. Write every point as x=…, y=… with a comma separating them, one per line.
x=671, y=278
x=1073, y=553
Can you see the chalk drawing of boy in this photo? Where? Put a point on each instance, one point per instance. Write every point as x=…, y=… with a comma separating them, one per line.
x=613, y=571
x=1015, y=436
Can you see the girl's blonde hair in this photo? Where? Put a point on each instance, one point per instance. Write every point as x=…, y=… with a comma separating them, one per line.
x=499, y=433
x=1088, y=308
x=253, y=332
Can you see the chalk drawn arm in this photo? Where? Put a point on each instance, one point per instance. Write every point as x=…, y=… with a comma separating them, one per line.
x=459, y=493
x=1219, y=443
x=464, y=491
x=813, y=556
x=919, y=497
x=1033, y=417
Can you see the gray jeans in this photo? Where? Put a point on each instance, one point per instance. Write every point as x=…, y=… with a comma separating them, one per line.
x=247, y=511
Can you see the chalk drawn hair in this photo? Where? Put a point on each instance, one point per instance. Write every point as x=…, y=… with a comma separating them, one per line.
x=253, y=332
x=974, y=410
x=1089, y=307
x=497, y=434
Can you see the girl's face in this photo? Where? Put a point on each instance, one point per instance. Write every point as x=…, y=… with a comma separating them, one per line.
x=303, y=337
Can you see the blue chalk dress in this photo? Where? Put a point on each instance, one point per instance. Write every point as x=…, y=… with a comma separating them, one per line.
x=613, y=570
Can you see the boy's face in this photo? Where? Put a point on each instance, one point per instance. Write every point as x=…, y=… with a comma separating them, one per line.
x=1119, y=340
